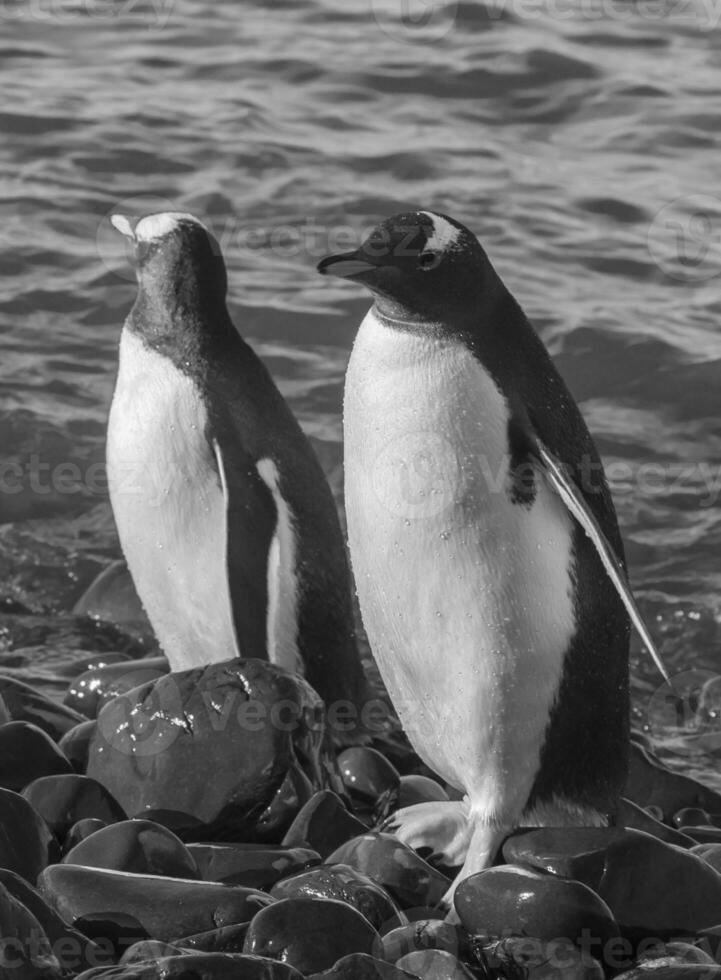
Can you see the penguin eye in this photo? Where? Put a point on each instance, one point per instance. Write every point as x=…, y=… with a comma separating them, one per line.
x=428, y=260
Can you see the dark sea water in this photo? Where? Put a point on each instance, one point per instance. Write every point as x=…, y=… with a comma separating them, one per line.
x=580, y=141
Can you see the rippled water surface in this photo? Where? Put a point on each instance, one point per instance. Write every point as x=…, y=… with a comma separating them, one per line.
x=579, y=141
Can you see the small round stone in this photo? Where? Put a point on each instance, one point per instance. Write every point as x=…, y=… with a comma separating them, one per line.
x=116, y=904
x=27, y=752
x=407, y=878
x=309, y=934
x=137, y=846
x=434, y=964
x=323, y=824
x=341, y=882
x=367, y=774
x=75, y=744
x=419, y=789
x=513, y=900
x=63, y=800
x=80, y=830
x=26, y=843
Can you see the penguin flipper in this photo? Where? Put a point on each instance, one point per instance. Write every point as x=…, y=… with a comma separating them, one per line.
x=574, y=500
x=250, y=526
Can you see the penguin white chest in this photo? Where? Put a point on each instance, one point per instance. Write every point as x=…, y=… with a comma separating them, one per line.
x=466, y=595
x=168, y=505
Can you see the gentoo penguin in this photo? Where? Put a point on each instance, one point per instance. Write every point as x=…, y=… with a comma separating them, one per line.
x=484, y=544
x=224, y=515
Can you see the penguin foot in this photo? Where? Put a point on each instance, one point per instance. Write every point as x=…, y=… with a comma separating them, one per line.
x=442, y=826
x=485, y=839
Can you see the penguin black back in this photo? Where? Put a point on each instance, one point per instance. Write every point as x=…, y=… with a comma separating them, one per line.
x=537, y=620
x=195, y=405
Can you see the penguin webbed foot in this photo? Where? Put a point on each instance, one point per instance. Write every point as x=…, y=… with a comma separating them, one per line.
x=485, y=840
x=442, y=827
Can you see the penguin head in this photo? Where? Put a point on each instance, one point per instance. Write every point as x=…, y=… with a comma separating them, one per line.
x=420, y=266
x=178, y=262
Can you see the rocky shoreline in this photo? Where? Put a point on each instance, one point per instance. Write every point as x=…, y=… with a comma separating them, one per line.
x=209, y=824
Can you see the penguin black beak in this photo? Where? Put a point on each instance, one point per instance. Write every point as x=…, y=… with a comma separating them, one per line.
x=346, y=265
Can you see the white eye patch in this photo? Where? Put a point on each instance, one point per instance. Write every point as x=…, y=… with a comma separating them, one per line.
x=444, y=235
x=157, y=225
x=154, y=226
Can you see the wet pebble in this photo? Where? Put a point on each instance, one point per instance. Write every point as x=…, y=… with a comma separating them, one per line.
x=653, y=811
x=112, y=931
x=630, y=871
x=709, y=940
x=27, y=953
x=74, y=951
x=341, y=882
x=688, y=952
x=635, y=817
x=138, y=846
x=80, y=830
x=228, y=939
x=516, y=900
x=636, y=884
x=26, y=843
x=75, y=743
x=252, y=865
x=76, y=667
x=571, y=852
x=91, y=689
x=198, y=966
x=710, y=853
x=420, y=935
x=262, y=727
x=670, y=968
x=323, y=824
x=361, y=966
x=703, y=835
x=24, y=703
x=371, y=781
x=310, y=934
x=112, y=598
x=148, y=949
x=652, y=784
x=692, y=816
x=164, y=908
x=409, y=880
x=63, y=800
x=419, y=789
x=435, y=964
x=27, y=752
x=534, y=959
